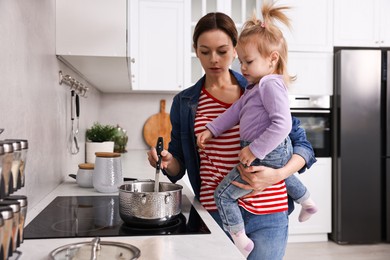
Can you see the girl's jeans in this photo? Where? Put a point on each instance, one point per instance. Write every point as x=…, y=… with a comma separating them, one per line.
x=226, y=194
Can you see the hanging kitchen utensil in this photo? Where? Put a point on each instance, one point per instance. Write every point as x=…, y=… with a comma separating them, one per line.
x=158, y=125
x=76, y=132
x=71, y=142
x=159, y=148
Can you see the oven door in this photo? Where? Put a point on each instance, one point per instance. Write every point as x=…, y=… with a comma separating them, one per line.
x=317, y=124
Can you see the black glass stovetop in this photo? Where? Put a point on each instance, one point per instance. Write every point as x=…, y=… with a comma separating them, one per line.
x=90, y=216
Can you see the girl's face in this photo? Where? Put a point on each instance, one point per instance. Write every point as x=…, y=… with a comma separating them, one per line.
x=253, y=65
x=215, y=51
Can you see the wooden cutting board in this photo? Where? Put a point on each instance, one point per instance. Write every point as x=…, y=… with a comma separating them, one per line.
x=158, y=125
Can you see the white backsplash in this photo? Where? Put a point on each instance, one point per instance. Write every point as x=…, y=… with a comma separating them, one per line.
x=33, y=105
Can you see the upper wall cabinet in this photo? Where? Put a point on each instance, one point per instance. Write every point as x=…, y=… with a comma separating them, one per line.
x=361, y=23
x=126, y=45
x=311, y=25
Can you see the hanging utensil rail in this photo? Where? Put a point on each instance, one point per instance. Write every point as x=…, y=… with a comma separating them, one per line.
x=75, y=85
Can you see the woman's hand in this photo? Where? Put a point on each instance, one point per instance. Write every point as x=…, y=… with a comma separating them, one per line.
x=257, y=177
x=261, y=177
x=166, y=158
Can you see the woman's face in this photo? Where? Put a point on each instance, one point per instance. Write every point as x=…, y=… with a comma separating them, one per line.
x=215, y=51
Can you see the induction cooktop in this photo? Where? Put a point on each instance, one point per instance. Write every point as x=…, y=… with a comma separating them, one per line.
x=91, y=216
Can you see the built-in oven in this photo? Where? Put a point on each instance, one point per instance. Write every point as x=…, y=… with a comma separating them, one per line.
x=314, y=112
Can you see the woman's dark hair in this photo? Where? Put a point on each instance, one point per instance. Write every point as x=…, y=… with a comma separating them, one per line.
x=215, y=21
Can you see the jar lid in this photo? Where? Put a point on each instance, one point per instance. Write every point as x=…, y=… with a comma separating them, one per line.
x=20, y=198
x=13, y=204
x=16, y=144
x=107, y=154
x=23, y=142
x=7, y=146
x=87, y=166
x=96, y=250
x=6, y=212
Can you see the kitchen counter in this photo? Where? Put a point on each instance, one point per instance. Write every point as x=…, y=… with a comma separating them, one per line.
x=134, y=163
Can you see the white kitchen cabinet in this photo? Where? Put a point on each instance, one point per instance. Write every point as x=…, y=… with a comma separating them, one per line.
x=311, y=25
x=123, y=45
x=318, y=180
x=313, y=71
x=160, y=42
x=362, y=23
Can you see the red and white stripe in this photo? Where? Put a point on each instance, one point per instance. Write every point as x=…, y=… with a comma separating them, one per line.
x=221, y=155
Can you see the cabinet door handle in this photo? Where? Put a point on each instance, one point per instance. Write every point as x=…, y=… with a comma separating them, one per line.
x=132, y=60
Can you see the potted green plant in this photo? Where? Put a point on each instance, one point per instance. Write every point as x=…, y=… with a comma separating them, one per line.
x=99, y=138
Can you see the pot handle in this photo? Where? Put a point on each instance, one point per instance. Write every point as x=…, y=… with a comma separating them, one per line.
x=143, y=199
x=168, y=198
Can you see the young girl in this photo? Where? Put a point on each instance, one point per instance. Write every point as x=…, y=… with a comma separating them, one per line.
x=265, y=122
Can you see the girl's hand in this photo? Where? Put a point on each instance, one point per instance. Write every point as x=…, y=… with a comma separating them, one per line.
x=203, y=138
x=166, y=158
x=246, y=156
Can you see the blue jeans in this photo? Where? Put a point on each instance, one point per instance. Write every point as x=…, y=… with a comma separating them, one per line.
x=269, y=233
x=295, y=188
x=226, y=194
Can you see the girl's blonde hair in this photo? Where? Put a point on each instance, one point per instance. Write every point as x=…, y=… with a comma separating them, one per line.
x=268, y=36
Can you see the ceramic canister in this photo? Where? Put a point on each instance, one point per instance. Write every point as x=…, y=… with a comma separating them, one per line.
x=85, y=174
x=107, y=175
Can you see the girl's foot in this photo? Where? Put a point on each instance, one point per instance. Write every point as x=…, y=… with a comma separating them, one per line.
x=243, y=242
x=308, y=209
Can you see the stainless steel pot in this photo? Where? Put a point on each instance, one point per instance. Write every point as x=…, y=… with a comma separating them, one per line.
x=140, y=204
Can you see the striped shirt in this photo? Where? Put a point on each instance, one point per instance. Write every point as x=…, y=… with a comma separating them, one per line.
x=221, y=155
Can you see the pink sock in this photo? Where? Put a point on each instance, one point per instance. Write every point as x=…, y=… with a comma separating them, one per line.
x=308, y=209
x=243, y=242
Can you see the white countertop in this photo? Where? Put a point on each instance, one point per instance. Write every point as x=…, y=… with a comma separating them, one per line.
x=209, y=246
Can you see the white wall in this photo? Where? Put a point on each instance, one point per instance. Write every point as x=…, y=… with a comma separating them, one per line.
x=131, y=111
x=33, y=105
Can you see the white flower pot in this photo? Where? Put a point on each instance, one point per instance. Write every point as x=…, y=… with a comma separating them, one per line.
x=91, y=148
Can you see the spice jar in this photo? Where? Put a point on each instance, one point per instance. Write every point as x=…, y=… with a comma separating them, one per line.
x=15, y=169
x=1, y=162
x=15, y=206
x=107, y=176
x=23, y=159
x=7, y=215
x=85, y=174
x=23, y=213
x=6, y=172
x=1, y=229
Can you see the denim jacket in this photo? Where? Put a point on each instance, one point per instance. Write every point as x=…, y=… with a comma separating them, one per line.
x=183, y=140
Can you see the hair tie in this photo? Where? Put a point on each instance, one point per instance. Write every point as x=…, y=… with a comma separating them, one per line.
x=262, y=24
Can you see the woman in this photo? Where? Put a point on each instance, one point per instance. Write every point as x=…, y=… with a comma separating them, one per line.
x=214, y=40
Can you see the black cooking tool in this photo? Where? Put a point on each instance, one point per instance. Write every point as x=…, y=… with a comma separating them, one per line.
x=159, y=148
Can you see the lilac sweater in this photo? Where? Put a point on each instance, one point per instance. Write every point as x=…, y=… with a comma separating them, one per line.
x=263, y=113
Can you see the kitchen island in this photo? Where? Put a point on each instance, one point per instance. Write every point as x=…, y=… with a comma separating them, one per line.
x=199, y=246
